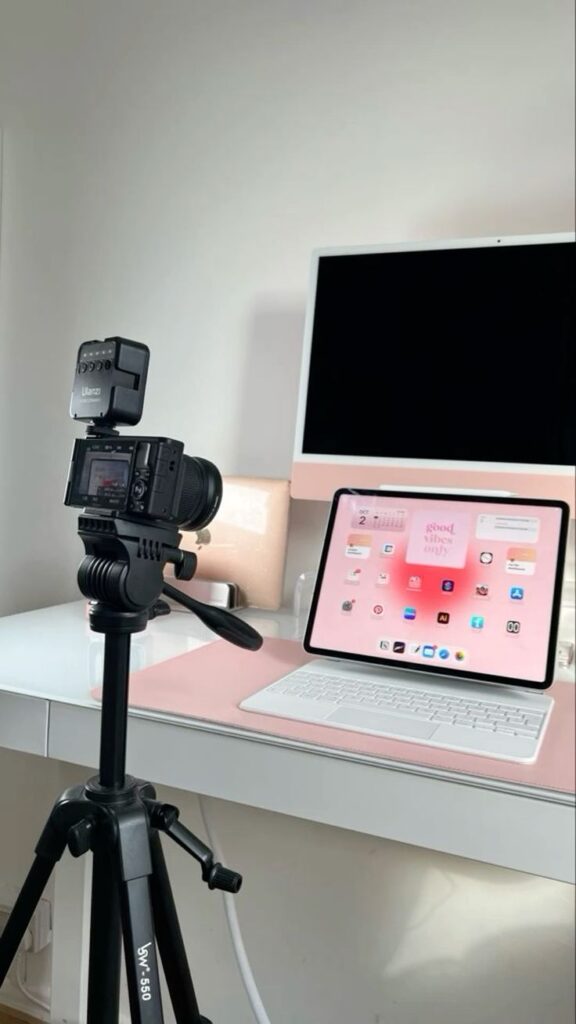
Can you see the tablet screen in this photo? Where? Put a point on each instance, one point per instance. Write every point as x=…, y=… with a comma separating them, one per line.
x=462, y=585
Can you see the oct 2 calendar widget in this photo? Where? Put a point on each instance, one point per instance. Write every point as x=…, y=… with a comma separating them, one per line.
x=370, y=517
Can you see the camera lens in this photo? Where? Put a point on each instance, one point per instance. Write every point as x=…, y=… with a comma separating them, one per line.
x=201, y=493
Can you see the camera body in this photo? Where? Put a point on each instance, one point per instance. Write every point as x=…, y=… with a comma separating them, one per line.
x=135, y=476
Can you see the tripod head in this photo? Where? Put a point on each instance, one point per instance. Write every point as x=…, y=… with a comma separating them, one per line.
x=122, y=575
x=136, y=492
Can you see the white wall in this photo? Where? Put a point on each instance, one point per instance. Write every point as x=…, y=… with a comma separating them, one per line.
x=168, y=166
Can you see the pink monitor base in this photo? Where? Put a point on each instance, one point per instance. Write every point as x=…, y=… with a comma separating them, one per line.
x=318, y=481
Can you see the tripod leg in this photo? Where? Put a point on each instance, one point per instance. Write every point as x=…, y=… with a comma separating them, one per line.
x=140, y=953
x=49, y=849
x=24, y=908
x=170, y=942
x=105, y=942
x=133, y=869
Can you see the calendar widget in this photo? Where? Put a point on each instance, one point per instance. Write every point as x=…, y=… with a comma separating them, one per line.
x=374, y=517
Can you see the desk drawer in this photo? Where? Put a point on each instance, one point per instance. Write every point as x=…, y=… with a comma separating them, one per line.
x=24, y=723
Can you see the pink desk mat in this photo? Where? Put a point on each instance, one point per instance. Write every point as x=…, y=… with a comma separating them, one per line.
x=209, y=683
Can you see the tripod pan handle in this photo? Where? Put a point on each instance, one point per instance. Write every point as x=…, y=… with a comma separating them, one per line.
x=230, y=628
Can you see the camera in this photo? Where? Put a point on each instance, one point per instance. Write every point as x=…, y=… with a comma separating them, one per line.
x=145, y=479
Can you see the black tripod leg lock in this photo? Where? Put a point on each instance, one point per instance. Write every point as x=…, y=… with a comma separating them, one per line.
x=164, y=817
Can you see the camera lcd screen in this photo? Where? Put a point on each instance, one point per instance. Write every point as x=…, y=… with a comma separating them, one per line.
x=105, y=476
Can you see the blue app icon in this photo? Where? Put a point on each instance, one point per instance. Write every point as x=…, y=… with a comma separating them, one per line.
x=477, y=621
x=447, y=586
x=410, y=613
x=443, y=653
x=428, y=651
x=517, y=593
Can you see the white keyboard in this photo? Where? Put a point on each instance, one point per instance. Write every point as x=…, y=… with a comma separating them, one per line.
x=491, y=721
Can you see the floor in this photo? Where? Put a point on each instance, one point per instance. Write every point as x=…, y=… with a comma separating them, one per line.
x=13, y=1017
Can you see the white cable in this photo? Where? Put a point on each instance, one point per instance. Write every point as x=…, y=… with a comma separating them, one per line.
x=22, y=987
x=234, y=927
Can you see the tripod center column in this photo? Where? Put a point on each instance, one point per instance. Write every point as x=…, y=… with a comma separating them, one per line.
x=118, y=627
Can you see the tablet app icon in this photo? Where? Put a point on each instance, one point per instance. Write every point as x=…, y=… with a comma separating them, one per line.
x=354, y=576
x=512, y=626
x=358, y=545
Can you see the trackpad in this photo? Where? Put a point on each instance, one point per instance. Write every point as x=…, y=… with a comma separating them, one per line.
x=354, y=718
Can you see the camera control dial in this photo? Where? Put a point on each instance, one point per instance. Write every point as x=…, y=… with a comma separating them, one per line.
x=139, y=489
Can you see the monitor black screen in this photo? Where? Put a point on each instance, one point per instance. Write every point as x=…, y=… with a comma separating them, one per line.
x=456, y=354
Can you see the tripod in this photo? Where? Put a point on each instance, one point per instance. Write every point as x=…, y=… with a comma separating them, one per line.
x=115, y=816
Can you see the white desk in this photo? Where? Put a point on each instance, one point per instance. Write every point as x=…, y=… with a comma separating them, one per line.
x=50, y=660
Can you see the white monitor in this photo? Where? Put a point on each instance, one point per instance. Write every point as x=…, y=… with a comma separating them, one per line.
x=441, y=365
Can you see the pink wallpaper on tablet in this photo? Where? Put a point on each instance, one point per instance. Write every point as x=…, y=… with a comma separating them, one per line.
x=464, y=585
